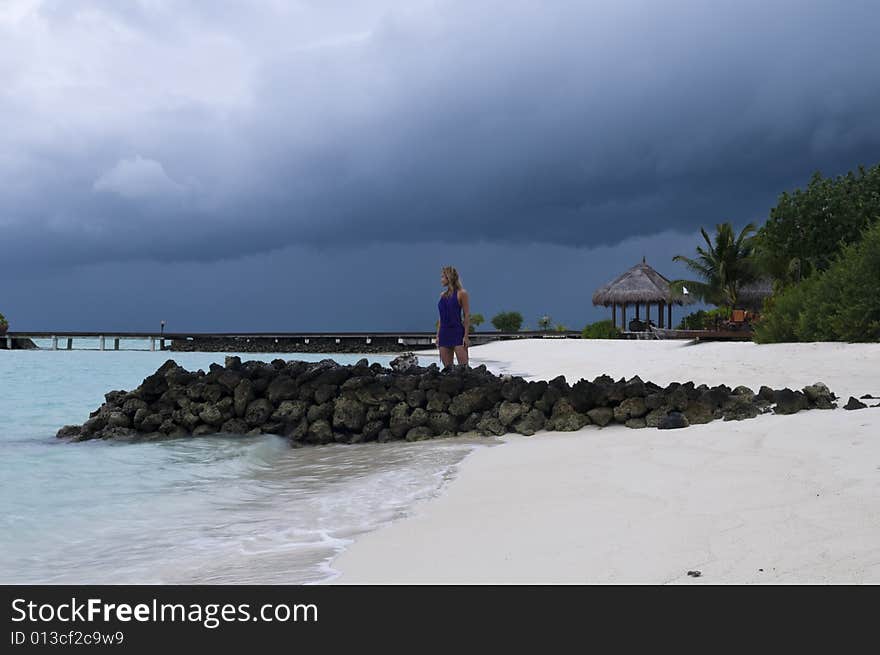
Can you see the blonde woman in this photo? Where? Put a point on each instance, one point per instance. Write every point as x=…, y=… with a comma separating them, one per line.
x=455, y=318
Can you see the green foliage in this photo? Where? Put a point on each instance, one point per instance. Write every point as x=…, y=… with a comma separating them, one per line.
x=704, y=320
x=544, y=322
x=839, y=304
x=723, y=267
x=3, y=322
x=507, y=321
x=808, y=228
x=560, y=328
x=600, y=330
x=477, y=320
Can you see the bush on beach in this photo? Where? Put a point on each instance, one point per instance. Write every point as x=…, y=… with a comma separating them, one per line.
x=600, y=330
x=839, y=304
x=704, y=320
x=507, y=321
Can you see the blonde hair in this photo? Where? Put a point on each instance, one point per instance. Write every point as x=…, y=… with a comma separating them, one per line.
x=452, y=278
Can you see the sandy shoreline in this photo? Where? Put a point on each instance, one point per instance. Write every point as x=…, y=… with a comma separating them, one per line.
x=772, y=499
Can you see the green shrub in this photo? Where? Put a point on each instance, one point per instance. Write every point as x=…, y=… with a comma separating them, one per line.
x=508, y=321
x=839, y=304
x=704, y=320
x=600, y=330
x=3, y=321
x=779, y=320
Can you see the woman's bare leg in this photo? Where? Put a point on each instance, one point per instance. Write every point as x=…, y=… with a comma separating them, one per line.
x=461, y=353
x=446, y=356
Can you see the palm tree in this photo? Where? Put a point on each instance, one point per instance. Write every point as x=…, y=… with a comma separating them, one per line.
x=723, y=267
x=476, y=321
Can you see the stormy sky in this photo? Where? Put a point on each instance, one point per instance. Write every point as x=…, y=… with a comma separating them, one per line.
x=310, y=165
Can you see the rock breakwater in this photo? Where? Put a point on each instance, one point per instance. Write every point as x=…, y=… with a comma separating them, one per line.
x=325, y=402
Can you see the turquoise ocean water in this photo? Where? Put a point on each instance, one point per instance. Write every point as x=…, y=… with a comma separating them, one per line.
x=193, y=510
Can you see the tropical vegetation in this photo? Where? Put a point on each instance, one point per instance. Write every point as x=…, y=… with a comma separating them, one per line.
x=600, y=330
x=704, y=319
x=507, y=321
x=808, y=228
x=840, y=303
x=821, y=249
x=476, y=321
x=723, y=267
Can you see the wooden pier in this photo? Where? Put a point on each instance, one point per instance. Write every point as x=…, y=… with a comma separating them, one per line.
x=261, y=341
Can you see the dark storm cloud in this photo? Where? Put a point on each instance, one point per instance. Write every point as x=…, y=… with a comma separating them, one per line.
x=373, y=287
x=147, y=130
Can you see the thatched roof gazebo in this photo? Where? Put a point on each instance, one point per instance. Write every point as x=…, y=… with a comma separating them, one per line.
x=753, y=295
x=640, y=284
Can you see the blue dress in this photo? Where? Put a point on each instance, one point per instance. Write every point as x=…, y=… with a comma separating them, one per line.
x=451, y=327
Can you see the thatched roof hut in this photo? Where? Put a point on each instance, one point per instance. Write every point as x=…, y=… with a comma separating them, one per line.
x=753, y=295
x=640, y=285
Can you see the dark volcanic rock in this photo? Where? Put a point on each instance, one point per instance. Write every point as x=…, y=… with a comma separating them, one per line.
x=569, y=422
x=442, y=424
x=324, y=402
x=282, y=388
x=320, y=432
x=320, y=412
x=69, y=432
x=404, y=363
x=699, y=412
x=530, y=422
x=673, y=421
x=854, y=403
x=601, y=416
x=290, y=411
x=242, y=397
x=766, y=393
x=491, y=425
x=419, y=433
x=820, y=396
x=235, y=426
x=790, y=402
x=509, y=412
x=258, y=412
x=635, y=388
x=632, y=407
x=349, y=414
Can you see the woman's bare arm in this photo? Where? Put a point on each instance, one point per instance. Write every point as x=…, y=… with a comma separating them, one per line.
x=465, y=303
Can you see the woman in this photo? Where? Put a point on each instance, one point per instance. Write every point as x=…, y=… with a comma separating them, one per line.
x=452, y=331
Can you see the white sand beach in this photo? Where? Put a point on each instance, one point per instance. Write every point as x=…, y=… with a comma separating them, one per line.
x=775, y=499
